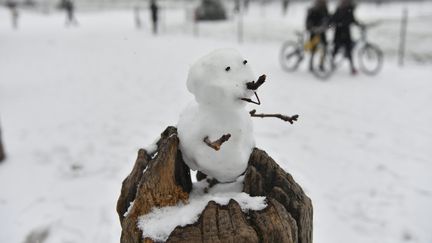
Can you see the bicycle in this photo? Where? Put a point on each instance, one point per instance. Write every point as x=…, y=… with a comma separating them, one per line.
x=293, y=52
x=369, y=56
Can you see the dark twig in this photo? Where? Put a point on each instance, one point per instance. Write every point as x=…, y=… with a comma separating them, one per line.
x=255, y=85
x=218, y=143
x=252, y=101
x=289, y=119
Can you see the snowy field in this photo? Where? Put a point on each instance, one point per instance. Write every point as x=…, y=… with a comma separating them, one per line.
x=76, y=104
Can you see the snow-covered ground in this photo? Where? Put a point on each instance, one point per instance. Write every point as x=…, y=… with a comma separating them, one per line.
x=77, y=103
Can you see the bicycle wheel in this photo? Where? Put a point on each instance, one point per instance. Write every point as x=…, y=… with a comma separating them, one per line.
x=290, y=56
x=321, y=63
x=370, y=59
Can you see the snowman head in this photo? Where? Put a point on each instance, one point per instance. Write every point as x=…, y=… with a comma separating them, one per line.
x=219, y=79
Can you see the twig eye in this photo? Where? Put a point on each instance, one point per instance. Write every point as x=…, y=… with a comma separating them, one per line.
x=227, y=68
x=244, y=62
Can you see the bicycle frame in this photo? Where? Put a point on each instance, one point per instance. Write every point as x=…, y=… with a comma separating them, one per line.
x=308, y=45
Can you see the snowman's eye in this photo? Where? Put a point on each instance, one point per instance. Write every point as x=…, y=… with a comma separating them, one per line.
x=244, y=62
x=227, y=68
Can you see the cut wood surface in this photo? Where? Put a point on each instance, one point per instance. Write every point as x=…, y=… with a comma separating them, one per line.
x=164, y=180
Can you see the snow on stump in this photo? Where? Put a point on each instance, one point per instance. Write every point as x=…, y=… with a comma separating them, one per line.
x=163, y=179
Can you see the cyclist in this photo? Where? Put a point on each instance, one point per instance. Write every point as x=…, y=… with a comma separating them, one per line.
x=316, y=24
x=342, y=20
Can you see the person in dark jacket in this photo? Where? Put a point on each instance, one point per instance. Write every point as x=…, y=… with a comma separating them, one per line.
x=154, y=10
x=13, y=8
x=69, y=7
x=342, y=20
x=316, y=24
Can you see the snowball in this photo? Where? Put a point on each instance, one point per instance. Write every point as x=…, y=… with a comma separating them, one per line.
x=218, y=82
x=160, y=222
x=212, y=84
x=197, y=122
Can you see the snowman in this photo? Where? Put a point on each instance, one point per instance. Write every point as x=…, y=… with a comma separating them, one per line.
x=215, y=131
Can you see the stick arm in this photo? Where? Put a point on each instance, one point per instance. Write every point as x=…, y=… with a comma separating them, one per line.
x=289, y=119
x=216, y=145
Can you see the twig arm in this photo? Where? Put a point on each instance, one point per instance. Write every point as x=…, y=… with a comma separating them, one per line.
x=289, y=119
x=216, y=145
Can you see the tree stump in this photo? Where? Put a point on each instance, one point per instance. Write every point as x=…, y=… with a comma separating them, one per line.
x=164, y=179
x=155, y=181
x=2, y=152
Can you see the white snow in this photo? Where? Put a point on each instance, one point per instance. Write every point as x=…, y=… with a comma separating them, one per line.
x=218, y=82
x=130, y=206
x=76, y=104
x=152, y=148
x=159, y=223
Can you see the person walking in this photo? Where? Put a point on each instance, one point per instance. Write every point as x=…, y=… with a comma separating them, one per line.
x=154, y=12
x=342, y=20
x=13, y=8
x=69, y=7
x=316, y=24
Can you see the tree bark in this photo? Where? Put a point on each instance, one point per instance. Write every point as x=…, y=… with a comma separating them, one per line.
x=166, y=180
x=264, y=177
x=163, y=180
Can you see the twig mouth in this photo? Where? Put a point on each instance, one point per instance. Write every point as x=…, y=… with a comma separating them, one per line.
x=258, y=102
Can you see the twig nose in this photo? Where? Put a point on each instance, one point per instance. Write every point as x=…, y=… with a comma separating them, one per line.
x=255, y=85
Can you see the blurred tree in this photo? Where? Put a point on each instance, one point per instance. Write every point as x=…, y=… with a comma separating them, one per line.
x=285, y=4
x=2, y=153
x=246, y=5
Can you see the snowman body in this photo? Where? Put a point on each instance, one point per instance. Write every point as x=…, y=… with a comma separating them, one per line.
x=218, y=82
